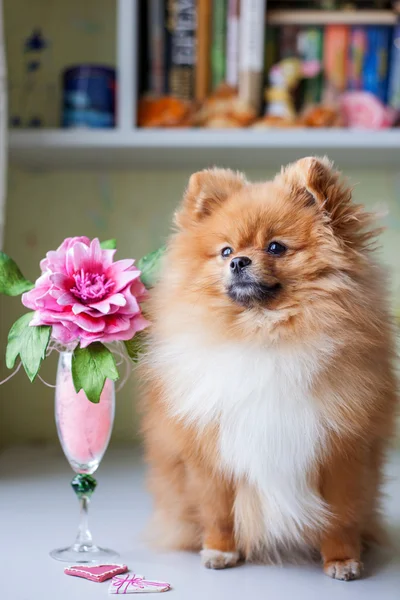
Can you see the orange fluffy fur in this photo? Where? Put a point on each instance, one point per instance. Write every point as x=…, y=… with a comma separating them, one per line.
x=224, y=433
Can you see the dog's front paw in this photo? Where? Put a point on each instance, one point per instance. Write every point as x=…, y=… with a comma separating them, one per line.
x=345, y=570
x=216, y=559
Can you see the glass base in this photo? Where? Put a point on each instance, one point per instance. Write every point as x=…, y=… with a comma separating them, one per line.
x=77, y=554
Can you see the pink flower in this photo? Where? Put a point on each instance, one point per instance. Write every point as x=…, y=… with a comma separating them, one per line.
x=85, y=296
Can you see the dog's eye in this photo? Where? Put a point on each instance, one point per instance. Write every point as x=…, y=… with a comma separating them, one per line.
x=276, y=249
x=225, y=252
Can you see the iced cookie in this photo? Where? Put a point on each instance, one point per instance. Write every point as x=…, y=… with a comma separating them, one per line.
x=96, y=572
x=130, y=583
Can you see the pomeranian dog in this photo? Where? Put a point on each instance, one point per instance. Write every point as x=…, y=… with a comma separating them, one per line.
x=269, y=381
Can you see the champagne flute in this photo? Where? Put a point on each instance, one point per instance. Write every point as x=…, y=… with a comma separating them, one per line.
x=84, y=430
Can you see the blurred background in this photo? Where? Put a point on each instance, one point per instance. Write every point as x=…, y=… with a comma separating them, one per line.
x=113, y=104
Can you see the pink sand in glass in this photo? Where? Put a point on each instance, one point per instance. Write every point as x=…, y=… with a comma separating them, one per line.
x=84, y=428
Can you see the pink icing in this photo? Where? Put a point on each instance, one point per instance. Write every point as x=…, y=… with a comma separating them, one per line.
x=96, y=572
x=84, y=427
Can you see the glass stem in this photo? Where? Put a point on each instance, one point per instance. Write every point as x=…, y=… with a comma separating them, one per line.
x=84, y=537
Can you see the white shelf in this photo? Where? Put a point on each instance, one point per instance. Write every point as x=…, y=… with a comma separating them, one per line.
x=194, y=149
x=329, y=17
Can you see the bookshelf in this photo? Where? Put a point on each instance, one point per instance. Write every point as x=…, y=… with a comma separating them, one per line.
x=129, y=146
x=331, y=17
x=195, y=149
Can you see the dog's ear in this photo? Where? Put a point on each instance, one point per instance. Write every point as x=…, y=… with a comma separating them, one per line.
x=206, y=191
x=319, y=178
x=313, y=180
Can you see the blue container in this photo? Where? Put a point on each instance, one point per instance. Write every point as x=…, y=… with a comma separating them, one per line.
x=89, y=93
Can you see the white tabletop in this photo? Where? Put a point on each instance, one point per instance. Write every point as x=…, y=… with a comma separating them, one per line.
x=38, y=512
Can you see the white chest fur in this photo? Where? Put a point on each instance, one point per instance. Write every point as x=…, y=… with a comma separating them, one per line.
x=271, y=431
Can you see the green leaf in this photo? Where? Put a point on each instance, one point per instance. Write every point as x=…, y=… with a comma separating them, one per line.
x=134, y=346
x=30, y=343
x=91, y=367
x=150, y=267
x=12, y=282
x=109, y=244
x=15, y=338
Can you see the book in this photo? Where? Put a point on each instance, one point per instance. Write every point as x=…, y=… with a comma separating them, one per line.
x=218, y=44
x=394, y=70
x=335, y=53
x=357, y=50
x=288, y=45
x=375, y=69
x=203, y=49
x=251, y=51
x=328, y=4
x=183, y=48
x=169, y=24
x=232, y=43
x=143, y=50
x=270, y=58
x=271, y=50
x=156, y=47
x=310, y=45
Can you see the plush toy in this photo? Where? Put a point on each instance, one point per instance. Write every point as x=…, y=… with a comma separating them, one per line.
x=166, y=111
x=320, y=115
x=363, y=110
x=224, y=109
x=284, y=77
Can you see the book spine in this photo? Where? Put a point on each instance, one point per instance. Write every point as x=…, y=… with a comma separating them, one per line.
x=394, y=73
x=375, y=71
x=369, y=70
x=156, y=46
x=169, y=25
x=288, y=41
x=310, y=43
x=218, y=42
x=232, y=43
x=203, y=49
x=384, y=61
x=328, y=4
x=183, y=50
x=357, y=50
x=336, y=43
x=251, y=53
x=143, y=50
x=271, y=50
x=271, y=55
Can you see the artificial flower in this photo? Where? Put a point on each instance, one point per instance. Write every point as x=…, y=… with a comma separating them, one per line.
x=85, y=296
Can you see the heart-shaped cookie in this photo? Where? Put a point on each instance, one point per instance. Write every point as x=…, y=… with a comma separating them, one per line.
x=96, y=572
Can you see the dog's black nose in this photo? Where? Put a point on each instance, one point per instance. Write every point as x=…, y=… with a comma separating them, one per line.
x=239, y=264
